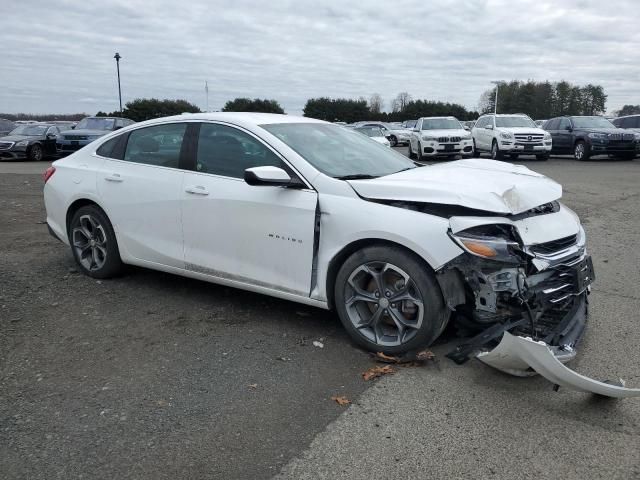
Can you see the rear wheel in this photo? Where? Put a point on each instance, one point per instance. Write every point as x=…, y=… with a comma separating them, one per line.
x=36, y=153
x=388, y=301
x=93, y=243
x=581, y=151
x=496, y=154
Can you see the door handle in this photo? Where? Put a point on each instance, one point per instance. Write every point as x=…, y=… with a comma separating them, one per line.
x=196, y=190
x=114, y=177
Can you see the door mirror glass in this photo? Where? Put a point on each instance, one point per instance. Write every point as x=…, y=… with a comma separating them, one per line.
x=268, y=176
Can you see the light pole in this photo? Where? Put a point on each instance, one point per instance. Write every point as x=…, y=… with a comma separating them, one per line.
x=495, y=105
x=118, y=57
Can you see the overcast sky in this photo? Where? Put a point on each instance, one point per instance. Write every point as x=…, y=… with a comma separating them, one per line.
x=58, y=55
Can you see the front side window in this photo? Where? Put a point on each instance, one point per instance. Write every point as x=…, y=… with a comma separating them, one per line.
x=514, y=121
x=227, y=151
x=159, y=145
x=339, y=152
x=440, y=124
x=370, y=131
x=551, y=124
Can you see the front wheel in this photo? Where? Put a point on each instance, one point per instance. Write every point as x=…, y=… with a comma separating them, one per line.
x=388, y=300
x=36, y=153
x=543, y=157
x=411, y=154
x=94, y=244
x=627, y=156
x=581, y=151
x=476, y=152
x=513, y=156
x=393, y=140
x=496, y=154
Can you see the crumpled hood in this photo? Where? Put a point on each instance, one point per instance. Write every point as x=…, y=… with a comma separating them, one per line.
x=86, y=132
x=486, y=185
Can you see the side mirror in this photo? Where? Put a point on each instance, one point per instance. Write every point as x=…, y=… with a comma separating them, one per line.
x=51, y=135
x=466, y=127
x=489, y=127
x=568, y=128
x=270, y=176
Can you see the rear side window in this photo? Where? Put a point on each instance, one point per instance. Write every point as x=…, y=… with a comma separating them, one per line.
x=159, y=145
x=108, y=147
x=227, y=151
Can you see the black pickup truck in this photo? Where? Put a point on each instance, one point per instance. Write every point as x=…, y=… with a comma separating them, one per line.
x=587, y=136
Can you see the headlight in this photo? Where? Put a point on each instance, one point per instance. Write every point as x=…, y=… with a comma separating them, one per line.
x=22, y=143
x=547, y=136
x=637, y=137
x=493, y=242
x=430, y=139
x=600, y=136
x=506, y=135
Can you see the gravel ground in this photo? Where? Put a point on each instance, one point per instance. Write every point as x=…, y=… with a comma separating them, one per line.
x=156, y=376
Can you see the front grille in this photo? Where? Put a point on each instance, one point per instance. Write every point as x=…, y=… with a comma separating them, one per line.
x=75, y=137
x=448, y=139
x=529, y=137
x=528, y=144
x=554, y=246
x=6, y=145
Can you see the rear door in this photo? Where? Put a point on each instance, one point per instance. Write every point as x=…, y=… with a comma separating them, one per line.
x=140, y=183
x=258, y=235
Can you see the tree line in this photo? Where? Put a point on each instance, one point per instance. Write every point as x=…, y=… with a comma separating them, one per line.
x=543, y=100
x=539, y=100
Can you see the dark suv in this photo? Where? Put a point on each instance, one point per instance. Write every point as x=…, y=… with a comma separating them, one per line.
x=587, y=136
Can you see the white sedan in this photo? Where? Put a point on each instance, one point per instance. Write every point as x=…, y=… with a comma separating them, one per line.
x=315, y=213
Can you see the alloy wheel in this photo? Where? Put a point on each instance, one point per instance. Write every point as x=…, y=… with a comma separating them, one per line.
x=36, y=153
x=383, y=303
x=579, y=151
x=90, y=243
x=494, y=151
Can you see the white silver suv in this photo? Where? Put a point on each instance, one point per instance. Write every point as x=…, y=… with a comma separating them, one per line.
x=513, y=135
x=439, y=136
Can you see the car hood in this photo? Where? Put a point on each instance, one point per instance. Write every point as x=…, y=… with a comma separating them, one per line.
x=456, y=132
x=486, y=185
x=533, y=130
x=17, y=138
x=86, y=132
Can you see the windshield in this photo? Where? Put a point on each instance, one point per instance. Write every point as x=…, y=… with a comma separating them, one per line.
x=591, y=122
x=440, y=124
x=96, y=124
x=30, y=130
x=370, y=131
x=339, y=152
x=515, y=121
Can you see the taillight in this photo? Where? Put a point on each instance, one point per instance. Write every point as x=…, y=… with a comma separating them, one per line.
x=48, y=173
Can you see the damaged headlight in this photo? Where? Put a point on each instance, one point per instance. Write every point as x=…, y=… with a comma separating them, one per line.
x=494, y=242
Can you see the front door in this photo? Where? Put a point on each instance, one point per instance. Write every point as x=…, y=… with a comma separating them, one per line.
x=258, y=235
x=563, y=136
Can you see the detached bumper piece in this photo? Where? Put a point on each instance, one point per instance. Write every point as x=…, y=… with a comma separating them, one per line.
x=524, y=351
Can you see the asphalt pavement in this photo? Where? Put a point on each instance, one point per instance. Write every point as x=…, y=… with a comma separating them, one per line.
x=155, y=376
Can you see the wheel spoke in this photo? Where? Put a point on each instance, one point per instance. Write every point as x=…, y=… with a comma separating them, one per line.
x=378, y=278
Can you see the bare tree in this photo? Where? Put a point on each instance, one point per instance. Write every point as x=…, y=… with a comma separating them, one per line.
x=400, y=102
x=375, y=103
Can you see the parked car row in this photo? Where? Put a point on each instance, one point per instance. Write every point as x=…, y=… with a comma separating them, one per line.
x=39, y=140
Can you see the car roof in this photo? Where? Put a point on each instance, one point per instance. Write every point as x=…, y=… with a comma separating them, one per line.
x=628, y=116
x=239, y=118
x=448, y=118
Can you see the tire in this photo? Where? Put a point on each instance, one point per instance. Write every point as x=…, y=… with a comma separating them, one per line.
x=543, y=157
x=93, y=243
x=476, y=152
x=513, y=156
x=373, y=320
x=411, y=154
x=581, y=151
x=36, y=153
x=419, y=156
x=394, y=141
x=496, y=154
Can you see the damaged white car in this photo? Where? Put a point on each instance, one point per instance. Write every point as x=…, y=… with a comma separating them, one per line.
x=312, y=212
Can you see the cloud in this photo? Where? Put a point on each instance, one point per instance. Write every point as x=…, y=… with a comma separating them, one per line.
x=292, y=50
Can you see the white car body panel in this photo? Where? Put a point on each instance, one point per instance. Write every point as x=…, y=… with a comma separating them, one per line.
x=515, y=354
x=480, y=184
